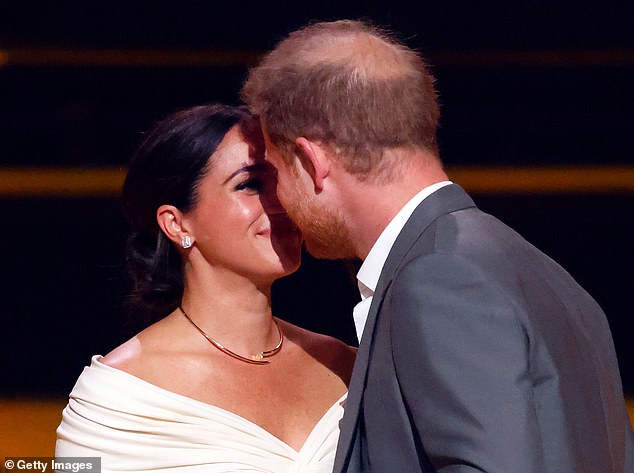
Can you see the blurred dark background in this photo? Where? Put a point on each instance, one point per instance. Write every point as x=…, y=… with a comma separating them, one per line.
x=521, y=84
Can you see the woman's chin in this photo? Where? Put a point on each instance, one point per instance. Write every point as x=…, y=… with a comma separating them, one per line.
x=279, y=273
x=286, y=264
x=289, y=263
x=288, y=252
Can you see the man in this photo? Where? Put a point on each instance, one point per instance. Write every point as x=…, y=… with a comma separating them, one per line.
x=479, y=353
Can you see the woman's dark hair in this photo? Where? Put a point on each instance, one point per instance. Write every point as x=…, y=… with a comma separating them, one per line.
x=167, y=168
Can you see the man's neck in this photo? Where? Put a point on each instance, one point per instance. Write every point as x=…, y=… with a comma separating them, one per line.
x=369, y=207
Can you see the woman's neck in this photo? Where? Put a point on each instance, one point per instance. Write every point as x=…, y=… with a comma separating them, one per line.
x=231, y=309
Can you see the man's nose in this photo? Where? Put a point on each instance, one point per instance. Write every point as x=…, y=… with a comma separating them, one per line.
x=271, y=199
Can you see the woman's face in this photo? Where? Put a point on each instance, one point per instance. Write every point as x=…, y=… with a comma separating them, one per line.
x=238, y=223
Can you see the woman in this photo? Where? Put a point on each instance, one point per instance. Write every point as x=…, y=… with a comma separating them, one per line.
x=218, y=383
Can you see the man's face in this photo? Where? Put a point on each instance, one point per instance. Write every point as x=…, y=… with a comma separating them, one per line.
x=323, y=226
x=287, y=178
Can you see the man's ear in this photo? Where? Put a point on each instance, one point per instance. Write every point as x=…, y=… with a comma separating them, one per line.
x=170, y=221
x=315, y=160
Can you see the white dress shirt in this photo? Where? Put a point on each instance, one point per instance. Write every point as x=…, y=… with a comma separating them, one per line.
x=368, y=275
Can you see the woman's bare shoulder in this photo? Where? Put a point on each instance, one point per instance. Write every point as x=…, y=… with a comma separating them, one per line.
x=330, y=351
x=136, y=355
x=126, y=355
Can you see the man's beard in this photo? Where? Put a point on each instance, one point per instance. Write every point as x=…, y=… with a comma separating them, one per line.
x=325, y=232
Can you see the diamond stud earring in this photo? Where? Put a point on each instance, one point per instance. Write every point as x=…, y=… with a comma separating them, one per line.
x=186, y=242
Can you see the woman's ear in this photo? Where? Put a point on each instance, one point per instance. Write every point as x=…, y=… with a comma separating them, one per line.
x=314, y=159
x=170, y=220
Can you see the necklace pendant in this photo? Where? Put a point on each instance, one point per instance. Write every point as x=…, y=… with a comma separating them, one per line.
x=258, y=359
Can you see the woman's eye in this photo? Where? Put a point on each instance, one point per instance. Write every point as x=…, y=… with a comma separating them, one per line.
x=252, y=184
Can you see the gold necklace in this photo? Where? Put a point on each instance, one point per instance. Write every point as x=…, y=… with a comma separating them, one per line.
x=258, y=359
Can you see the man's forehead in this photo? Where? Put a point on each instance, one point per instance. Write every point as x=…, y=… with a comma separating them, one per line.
x=267, y=139
x=270, y=148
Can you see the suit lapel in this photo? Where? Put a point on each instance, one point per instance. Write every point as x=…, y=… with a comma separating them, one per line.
x=446, y=200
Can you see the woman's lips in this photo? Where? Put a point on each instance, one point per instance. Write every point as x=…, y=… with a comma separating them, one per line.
x=278, y=223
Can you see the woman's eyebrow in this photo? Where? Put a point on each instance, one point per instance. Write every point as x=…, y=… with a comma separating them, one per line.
x=255, y=167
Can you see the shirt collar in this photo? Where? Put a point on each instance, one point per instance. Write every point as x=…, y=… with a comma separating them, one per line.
x=370, y=271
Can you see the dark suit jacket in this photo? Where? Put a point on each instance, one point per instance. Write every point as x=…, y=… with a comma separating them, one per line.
x=481, y=354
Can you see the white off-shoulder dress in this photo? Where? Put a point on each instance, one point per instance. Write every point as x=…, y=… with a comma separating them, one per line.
x=135, y=426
